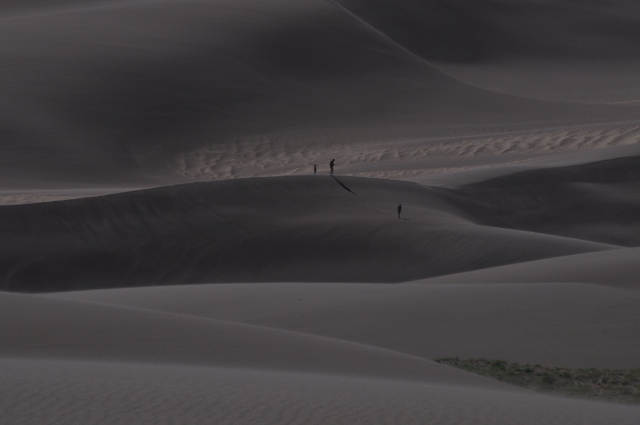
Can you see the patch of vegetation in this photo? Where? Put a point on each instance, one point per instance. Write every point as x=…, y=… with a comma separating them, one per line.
x=622, y=385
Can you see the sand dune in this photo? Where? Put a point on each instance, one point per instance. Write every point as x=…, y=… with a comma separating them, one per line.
x=146, y=394
x=119, y=92
x=564, y=201
x=571, y=325
x=566, y=50
x=454, y=31
x=291, y=228
x=616, y=268
x=47, y=328
x=508, y=130
x=401, y=159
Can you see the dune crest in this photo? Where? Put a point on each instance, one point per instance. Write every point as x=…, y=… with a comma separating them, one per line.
x=290, y=228
x=121, y=96
x=405, y=159
x=569, y=50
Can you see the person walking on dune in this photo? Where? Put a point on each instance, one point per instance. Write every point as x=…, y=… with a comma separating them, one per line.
x=399, y=209
x=331, y=164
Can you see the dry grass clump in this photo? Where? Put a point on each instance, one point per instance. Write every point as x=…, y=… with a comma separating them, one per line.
x=610, y=384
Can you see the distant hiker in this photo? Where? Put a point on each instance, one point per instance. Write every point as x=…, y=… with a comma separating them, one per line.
x=399, y=209
x=331, y=164
x=315, y=169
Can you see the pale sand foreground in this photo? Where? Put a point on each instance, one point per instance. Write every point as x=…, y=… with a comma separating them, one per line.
x=326, y=352
x=168, y=356
x=335, y=352
x=149, y=394
x=572, y=325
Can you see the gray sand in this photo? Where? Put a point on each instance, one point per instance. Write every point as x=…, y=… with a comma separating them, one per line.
x=167, y=256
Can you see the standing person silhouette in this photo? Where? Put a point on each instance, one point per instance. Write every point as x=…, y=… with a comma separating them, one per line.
x=331, y=164
x=315, y=169
x=399, y=209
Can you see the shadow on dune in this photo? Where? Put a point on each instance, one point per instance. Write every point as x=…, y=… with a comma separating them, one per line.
x=342, y=184
x=88, y=86
x=562, y=50
x=597, y=201
x=308, y=229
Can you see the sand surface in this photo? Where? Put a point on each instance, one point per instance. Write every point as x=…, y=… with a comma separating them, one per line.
x=168, y=256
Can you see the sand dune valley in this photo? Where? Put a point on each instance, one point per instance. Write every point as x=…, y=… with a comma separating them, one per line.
x=168, y=256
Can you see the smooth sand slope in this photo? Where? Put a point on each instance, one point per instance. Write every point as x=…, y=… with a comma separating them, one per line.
x=317, y=228
x=615, y=268
x=134, y=289
x=123, y=93
x=572, y=325
x=146, y=394
x=331, y=339
x=148, y=354
x=571, y=50
x=146, y=336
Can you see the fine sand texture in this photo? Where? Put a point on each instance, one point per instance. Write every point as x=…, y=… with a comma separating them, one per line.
x=541, y=290
x=124, y=93
x=318, y=228
x=168, y=255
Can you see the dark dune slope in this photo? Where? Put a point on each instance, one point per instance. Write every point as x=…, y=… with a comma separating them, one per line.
x=490, y=30
x=597, y=201
x=314, y=229
x=562, y=50
x=108, y=92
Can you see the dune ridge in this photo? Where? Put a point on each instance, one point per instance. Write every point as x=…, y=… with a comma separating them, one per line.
x=113, y=107
x=401, y=160
x=564, y=201
x=615, y=268
x=556, y=324
x=288, y=228
x=46, y=328
x=562, y=50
